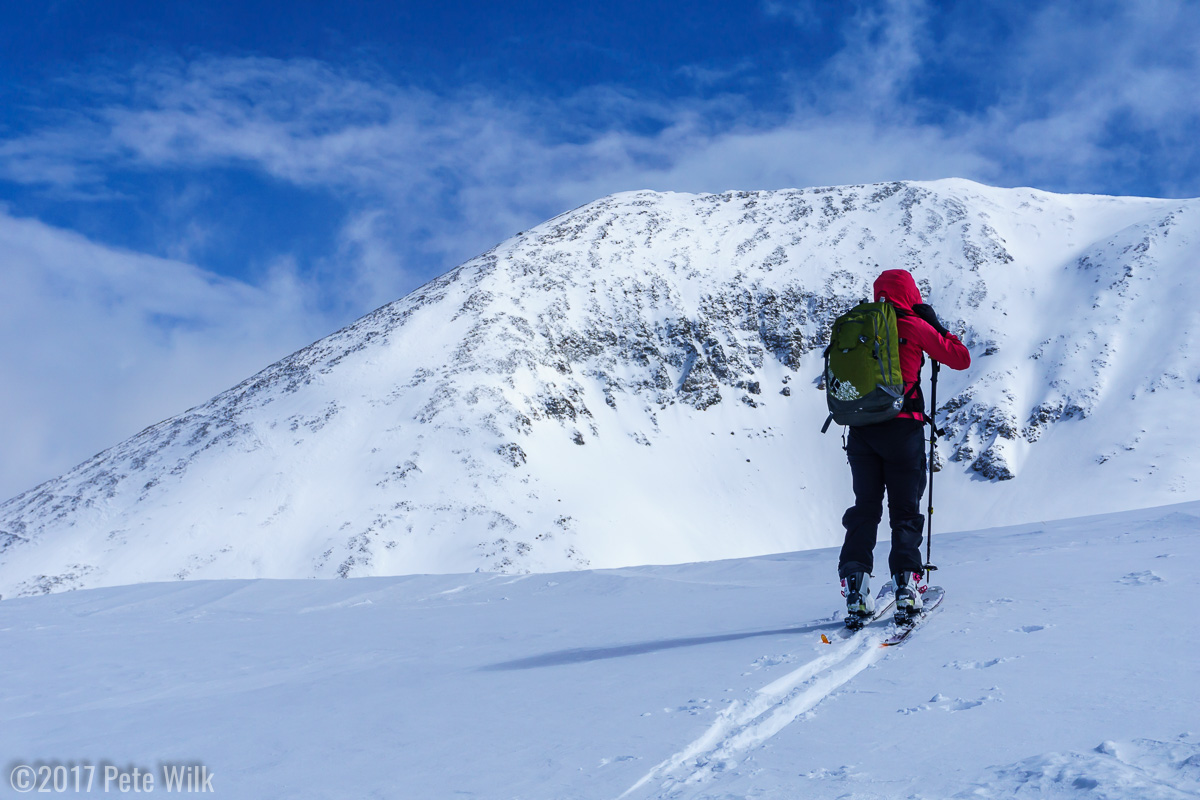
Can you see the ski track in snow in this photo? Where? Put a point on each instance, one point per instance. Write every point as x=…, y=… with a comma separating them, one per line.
x=744, y=725
x=602, y=684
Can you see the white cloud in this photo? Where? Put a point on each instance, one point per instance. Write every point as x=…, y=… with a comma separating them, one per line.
x=799, y=12
x=457, y=172
x=1083, y=90
x=100, y=343
x=884, y=51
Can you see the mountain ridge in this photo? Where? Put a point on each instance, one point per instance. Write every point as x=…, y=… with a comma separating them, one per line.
x=634, y=381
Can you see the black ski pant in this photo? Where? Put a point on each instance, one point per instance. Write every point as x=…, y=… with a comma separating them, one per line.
x=887, y=457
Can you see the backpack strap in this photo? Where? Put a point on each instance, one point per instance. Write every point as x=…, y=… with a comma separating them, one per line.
x=914, y=400
x=825, y=427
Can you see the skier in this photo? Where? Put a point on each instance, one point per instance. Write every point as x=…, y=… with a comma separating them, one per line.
x=891, y=456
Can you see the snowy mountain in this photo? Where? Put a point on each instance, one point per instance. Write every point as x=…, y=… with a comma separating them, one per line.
x=1046, y=673
x=636, y=382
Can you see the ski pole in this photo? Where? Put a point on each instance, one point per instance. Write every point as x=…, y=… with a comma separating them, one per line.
x=933, y=434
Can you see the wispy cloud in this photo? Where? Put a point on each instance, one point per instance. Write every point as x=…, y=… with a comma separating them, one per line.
x=1096, y=101
x=101, y=342
x=884, y=52
x=799, y=12
x=462, y=169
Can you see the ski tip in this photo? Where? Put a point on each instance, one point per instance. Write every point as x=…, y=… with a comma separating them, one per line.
x=825, y=639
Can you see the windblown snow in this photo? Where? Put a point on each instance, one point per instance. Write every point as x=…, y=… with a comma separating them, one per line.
x=1061, y=665
x=637, y=381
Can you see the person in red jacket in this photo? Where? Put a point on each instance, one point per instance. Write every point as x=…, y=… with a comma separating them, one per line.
x=890, y=457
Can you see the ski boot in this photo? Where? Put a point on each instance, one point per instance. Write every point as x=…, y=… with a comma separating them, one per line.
x=860, y=606
x=908, y=596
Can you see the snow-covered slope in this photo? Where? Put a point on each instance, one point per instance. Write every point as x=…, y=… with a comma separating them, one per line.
x=1060, y=666
x=636, y=382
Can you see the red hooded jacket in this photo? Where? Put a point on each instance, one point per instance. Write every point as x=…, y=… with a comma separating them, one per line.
x=916, y=335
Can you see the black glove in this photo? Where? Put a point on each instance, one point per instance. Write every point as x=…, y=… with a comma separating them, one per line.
x=925, y=312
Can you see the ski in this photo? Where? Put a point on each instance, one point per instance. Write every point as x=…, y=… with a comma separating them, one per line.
x=931, y=599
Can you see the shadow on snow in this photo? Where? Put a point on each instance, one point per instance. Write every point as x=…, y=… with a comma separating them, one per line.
x=582, y=655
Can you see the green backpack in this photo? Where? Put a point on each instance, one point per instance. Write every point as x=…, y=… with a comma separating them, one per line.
x=863, y=384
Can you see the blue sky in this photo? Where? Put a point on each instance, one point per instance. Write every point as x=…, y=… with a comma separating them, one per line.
x=189, y=191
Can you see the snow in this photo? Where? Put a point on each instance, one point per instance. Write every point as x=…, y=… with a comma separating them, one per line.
x=583, y=513
x=607, y=389
x=1060, y=665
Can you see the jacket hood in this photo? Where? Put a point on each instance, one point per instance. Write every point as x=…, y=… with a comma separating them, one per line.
x=898, y=287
